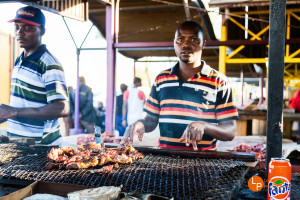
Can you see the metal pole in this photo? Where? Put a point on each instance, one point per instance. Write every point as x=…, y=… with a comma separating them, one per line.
x=242, y=82
x=111, y=53
x=76, y=123
x=261, y=84
x=275, y=83
x=134, y=67
x=76, y=129
x=187, y=10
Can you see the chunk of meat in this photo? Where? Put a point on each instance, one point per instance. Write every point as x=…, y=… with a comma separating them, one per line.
x=90, y=155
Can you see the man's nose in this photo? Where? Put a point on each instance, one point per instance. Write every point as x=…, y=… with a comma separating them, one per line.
x=20, y=31
x=186, y=43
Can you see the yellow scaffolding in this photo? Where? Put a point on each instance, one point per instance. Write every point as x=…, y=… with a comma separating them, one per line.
x=290, y=73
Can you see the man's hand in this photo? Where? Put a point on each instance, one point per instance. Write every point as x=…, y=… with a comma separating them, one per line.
x=7, y=112
x=194, y=131
x=130, y=130
x=124, y=123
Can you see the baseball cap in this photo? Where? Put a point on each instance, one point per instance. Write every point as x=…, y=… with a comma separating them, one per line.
x=30, y=15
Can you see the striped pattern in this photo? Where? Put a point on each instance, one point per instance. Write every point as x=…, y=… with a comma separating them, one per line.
x=206, y=97
x=36, y=81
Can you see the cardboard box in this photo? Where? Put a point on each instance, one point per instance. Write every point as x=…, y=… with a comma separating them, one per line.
x=60, y=189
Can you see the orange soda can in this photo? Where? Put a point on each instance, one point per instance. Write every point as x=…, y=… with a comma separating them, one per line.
x=279, y=179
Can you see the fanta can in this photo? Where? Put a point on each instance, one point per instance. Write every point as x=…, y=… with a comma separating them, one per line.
x=279, y=179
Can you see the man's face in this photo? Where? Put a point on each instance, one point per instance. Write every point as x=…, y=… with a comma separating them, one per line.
x=28, y=36
x=188, y=45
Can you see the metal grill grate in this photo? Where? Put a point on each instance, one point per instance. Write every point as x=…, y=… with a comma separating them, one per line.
x=10, y=151
x=181, y=178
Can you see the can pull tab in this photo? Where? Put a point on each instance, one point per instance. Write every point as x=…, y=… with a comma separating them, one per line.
x=97, y=134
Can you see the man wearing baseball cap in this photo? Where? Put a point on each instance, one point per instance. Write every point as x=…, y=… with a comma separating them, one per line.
x=38, y=88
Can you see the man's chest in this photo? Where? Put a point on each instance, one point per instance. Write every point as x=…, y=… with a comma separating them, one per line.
x=188, y=93
x=28, y=78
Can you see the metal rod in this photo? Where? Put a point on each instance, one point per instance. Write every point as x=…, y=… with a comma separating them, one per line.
x=76, y=129
x=261, y=83
x=86, y=36
x=111, y=53
x=275, y=82
x=134, y=67
x=246, y=22
x=157, y=48
x=156, y=61
x=88, y=49
x=187, y=10
x=242, y=82
x=143, y=44
x=207, y=43
x=69, y=32
x=145, y=48
x=77, y=99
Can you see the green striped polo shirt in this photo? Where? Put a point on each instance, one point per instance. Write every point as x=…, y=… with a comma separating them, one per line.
x=37, y=80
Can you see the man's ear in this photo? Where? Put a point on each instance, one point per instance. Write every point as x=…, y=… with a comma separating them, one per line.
x=204, y=43
x=42, y=31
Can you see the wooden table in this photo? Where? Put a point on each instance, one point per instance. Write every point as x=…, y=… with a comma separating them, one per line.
x=244, y=124
x=288, y=118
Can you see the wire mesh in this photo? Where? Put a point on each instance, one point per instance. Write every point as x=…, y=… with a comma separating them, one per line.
x=181, y=178
x=10, y=151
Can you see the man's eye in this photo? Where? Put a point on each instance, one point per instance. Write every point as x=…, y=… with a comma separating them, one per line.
x=28, y=28
x=194, y=40
x=179, y=39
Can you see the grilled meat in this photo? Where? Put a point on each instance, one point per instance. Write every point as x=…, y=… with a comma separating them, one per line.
x=91, y=155
x=136, y=155
x=70, y=150
x=57, y=155
x=52, y=165
x=83, y=165
x=106, y=169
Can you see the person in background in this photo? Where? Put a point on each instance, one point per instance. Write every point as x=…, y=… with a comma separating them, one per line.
x=133, y=103
x=87, y=114
x=38, y=88
x=191, y=102
x=295, y=103
x=100, y=116
x=119, y=107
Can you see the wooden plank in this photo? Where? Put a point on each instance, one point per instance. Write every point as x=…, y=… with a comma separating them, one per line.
x=241, y=127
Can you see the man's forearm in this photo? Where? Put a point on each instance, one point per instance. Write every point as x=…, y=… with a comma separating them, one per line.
x=224, y=131
x=150, y=123
x=124, y=109
x=59, y=108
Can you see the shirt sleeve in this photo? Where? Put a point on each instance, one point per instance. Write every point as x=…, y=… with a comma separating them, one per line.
x=152, y=105
x=225, y=107
x=55, y=83
x=141, y=95
x=126, y=95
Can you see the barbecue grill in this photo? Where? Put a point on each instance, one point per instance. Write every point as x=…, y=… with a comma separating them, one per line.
x=10, y=151
x=164, y=175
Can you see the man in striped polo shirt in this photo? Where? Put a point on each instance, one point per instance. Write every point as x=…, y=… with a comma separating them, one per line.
x=191, y=102
x=38, y=89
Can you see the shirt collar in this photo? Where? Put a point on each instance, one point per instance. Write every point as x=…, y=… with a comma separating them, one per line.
x=205, y=71
x=36, y=55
